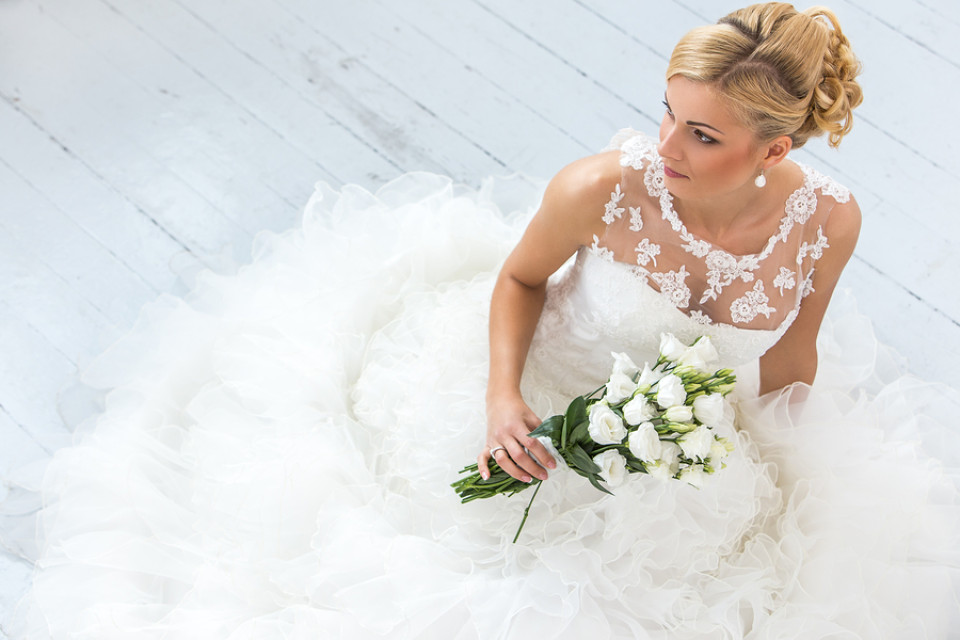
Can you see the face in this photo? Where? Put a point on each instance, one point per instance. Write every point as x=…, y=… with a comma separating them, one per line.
x=706, y=152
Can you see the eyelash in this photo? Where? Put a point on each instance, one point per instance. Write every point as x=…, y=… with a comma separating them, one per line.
x=699, y=135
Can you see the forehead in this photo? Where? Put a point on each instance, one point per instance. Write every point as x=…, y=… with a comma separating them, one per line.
x=699, y=102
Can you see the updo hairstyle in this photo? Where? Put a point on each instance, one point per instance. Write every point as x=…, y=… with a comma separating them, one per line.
x=782, y=72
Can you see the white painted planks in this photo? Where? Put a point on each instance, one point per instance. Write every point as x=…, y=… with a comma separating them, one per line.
x=142, y=140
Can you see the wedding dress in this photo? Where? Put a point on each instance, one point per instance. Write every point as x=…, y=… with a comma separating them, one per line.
x=275, y=452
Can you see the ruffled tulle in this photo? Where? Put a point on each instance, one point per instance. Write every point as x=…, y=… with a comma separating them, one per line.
x=274, y=456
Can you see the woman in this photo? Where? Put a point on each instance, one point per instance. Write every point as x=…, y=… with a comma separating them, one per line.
x=275, y=458
x=740, y=95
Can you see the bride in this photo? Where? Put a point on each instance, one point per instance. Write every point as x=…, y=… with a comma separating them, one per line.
x=275, y=457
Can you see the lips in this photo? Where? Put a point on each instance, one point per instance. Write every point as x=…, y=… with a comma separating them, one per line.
x=670, y=173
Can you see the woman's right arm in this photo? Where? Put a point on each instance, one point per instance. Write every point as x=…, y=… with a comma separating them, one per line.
x=569, y=217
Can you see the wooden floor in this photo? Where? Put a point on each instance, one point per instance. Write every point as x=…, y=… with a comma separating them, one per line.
x=144, y=140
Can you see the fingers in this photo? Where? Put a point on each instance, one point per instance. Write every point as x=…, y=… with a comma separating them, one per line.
x=515, y=458
x=521, y=456
x=509, y=422
x=482, y=465
x=538, y=451
x=507, y=463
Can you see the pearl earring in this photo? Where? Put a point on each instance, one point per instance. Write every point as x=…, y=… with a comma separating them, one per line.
x=761, y=180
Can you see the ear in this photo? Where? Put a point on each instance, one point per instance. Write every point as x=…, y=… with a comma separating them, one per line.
x=776, y=150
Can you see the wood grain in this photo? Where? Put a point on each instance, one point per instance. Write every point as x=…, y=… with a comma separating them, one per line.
x=143, y=141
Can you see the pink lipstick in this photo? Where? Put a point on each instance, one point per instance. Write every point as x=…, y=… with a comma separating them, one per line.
x=670, y=173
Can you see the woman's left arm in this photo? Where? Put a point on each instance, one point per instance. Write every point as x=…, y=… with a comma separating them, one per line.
x=794, y=357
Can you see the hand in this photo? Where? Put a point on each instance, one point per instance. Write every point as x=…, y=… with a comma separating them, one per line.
x=508, y=423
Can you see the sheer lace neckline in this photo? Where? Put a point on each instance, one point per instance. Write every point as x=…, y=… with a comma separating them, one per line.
x=706, y=282
x=598, y=259
x=804, y=195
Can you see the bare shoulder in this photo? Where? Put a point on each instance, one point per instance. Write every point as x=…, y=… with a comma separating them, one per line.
x=577, y=193
x=588, y=175
x=570, y=215
x=843, y=225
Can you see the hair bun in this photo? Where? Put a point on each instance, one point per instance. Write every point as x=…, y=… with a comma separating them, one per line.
x=782, y=72
x=832, y=101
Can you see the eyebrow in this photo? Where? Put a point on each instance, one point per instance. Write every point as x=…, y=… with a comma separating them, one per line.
x=704, y=125
x=693, y=123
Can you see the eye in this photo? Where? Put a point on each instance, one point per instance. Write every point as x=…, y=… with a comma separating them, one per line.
x=702, y=137
x=666, y=105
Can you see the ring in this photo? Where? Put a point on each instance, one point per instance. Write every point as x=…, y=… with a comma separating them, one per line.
x=493, y=452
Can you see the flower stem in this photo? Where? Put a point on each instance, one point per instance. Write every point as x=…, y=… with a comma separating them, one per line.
x=526, y=511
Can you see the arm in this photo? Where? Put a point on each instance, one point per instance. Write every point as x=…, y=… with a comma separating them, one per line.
x=569, y=216
x=794, y=357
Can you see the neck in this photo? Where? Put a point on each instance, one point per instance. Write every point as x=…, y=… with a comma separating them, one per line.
x=718, y=216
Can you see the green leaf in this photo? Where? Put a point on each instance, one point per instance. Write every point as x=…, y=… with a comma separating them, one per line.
x=576, y=414
x=549, y=427
x=580, y=434
x=581, y=459
x=595, y=482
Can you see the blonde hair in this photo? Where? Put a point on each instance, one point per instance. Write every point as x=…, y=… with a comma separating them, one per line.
x=782, y=71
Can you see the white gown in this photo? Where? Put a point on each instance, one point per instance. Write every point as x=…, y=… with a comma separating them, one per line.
x=275, y=454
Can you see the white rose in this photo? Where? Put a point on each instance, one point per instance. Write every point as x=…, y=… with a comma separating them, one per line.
x=648, y=377
x=720, y=448
x=697, y=443
x=613, y=467
x=623, y=364
x=670, y=456
x=670, y=347
x=619, y=388
x=699, y=355
x=694, y=475
x=679, y=413
x=670, y=391
x=605, y=425
x=644, y=443
x=638, y=410
x=659, y=470
x=708, y=409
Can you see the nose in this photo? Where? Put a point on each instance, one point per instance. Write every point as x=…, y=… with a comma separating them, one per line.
x=668, y=147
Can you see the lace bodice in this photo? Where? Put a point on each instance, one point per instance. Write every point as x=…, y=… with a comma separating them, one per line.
x=648, y=275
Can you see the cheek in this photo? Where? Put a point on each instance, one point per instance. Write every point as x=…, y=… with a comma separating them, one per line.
x=726, y=169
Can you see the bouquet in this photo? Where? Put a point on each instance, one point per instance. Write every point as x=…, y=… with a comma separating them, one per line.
x=659, y=420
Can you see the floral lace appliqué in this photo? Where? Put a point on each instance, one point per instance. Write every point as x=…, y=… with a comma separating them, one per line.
x=602, y=252
x=672, y=284
x=829, y=187
x=613, y=210
x=655, y=181
x=807, y=287
x=814, y=250
x=636, y=222
x=800, y=205
x=723, y=268
x=636, y=151
x=647, y=251
x=700, y=317
x=699, y=248
x=751, y=304
x=785, y=280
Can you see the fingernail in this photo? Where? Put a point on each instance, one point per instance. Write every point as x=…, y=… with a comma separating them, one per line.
x=552, y=464
x=527, y=479
x=485, y=475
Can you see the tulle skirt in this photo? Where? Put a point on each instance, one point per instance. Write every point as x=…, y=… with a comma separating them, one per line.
x=275, y=450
